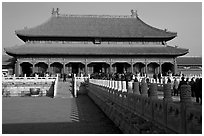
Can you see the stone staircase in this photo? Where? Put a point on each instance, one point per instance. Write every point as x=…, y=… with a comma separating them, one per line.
x=64, y=89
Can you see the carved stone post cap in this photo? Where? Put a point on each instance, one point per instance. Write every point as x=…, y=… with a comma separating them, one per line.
x=153, y=90
x=144, y=88
x=185, y=95
x=136, y=88
x=167, y=92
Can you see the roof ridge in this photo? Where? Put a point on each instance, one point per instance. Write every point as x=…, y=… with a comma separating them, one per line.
x=95, y=16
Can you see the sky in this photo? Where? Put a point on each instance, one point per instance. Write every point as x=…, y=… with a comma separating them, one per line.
x=185, y=18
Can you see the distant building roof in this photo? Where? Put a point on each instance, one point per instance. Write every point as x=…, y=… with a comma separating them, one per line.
x=189, y=61
x=93, y=49
x=101, y=26
x=7, y=60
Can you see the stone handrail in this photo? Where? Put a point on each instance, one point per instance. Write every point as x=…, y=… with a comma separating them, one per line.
x=77, y=82
x=17, y=86
x=55, y=85
x=135, y=111
x=28, y=79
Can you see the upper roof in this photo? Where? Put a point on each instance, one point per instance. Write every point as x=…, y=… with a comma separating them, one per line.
x=189, y=60
x=100, y=26
x=92, y=49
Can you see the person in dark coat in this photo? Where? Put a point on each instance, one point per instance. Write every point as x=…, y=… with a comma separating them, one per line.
x=192, y=84
x=198, y=90
x=159, y=77
x=155, y=77
x=64, y=77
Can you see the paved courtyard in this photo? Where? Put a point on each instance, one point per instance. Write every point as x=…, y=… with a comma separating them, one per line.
x=27, y=115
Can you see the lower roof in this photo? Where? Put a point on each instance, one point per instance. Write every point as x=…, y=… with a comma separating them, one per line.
x=7, y=60
x=94, y=49
x=189, y=60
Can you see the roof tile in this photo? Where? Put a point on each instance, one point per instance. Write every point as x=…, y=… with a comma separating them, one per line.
x=74, y=26
x=93, y=49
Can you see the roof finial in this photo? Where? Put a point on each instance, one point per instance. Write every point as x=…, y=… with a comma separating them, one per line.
x=134, y=13
x=55, y=13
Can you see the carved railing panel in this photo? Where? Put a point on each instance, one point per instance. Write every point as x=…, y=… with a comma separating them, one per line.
x=193, y=121
x=174, y=117
x=159, y=112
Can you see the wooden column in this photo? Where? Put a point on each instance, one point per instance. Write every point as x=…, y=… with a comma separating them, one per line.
x=86, y=70
x=160, y=67
x=175, y=66
x=132, y=70
x=111, y=68
x=17, y=68
x=33, y=69
x=49, y=69
x=79, y=70
x=146, y=70
x=63, y=67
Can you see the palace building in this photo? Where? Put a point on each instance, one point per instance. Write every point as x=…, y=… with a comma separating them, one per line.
x=189, y=65
x=95, y=43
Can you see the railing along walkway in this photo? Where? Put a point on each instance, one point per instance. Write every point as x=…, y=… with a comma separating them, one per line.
x=136, y=110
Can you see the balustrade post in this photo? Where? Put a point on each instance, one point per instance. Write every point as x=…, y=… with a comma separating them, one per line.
x=116, y=85
x=167, y=92
x=136, y=89
x=130, y=87
x=153, y=91
x=185, y=100
x=112, y=84
x=185, y=94
x=107, y=84
x=124, y=89
x=119, y=85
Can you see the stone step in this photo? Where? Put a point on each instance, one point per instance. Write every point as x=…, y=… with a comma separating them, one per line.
x=64, y=90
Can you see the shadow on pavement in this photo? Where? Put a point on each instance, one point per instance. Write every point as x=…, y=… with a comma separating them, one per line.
x=85, y=118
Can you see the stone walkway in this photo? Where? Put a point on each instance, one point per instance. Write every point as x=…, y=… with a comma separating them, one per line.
x=43, y=115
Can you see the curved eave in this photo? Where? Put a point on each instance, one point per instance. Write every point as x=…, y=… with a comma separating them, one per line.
x=100, y=52
x=61, y=38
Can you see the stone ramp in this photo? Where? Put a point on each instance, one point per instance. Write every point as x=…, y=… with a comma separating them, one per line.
x=64, y=90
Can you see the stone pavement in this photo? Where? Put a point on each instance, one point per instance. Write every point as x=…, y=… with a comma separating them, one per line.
x=43, y=115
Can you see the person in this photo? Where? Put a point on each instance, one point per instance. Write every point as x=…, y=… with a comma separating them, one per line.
x=136, y=80
x=198, y=90
x=159, y=77
x=169, y=81
x=182, y=82
x=64, y=77
x=175, y=87
x=187, y=80
x=155, y=77
x=192, y=84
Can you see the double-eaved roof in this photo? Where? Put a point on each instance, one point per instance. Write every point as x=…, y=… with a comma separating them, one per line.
x=104, y=28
